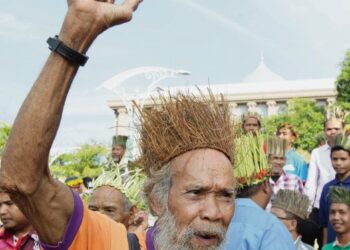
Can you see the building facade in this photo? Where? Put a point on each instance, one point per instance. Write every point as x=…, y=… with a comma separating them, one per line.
x=262, y=91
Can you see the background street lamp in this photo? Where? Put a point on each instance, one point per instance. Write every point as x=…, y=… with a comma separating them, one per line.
x=117, y=84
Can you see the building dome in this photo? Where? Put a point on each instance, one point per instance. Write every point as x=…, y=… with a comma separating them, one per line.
x=262, y=74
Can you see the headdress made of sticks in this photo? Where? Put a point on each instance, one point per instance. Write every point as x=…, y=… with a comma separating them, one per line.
x=276, y=146
x=293, y=202
x=251, y=165
x=130, y=184
x=335, y=112
x=339, y=194
x=183, y=122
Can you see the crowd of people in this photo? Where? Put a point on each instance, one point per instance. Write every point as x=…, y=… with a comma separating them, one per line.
x=200, y=183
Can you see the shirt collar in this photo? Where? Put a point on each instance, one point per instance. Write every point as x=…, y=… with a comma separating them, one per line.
x=247, y=202
x=336, y=243
x=346, y=181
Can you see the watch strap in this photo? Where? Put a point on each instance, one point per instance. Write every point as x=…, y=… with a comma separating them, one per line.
x=56, y=45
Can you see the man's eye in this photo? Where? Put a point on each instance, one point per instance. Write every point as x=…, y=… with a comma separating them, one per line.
x=93, y=208
x=195, y=192
x=110, y=210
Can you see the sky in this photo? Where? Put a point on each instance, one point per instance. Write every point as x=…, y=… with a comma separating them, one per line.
x=217, y=41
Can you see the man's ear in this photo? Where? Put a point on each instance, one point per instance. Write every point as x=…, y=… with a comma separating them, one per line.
x=132, y=213
x=293, y=225
x=265, y=186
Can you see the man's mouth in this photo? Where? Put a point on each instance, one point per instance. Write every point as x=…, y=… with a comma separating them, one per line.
x=207, y=239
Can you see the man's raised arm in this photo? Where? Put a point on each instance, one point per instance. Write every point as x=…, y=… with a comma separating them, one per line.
x=47, y=203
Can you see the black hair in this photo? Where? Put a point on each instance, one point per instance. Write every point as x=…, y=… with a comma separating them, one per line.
x=338, y=148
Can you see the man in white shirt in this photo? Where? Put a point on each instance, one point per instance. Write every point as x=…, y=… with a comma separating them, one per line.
x=320, y=172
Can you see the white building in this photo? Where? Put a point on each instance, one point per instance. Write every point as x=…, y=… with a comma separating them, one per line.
x=262, y=91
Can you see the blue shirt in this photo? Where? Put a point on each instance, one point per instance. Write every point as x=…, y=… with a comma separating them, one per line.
x=325, y=206
x=252, y=228
x=298, y=162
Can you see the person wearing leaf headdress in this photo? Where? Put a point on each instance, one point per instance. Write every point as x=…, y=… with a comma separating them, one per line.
x=340, y=157
x=321, y=170
x=339, y=216
x=280, y=179
x=252, y=228
x=118, y=196
x=291, y=208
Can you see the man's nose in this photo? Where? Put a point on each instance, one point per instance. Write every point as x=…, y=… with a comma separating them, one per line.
x=211, y=210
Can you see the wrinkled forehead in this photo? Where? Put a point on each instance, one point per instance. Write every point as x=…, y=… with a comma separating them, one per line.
x=207, y=167
x=107, y=194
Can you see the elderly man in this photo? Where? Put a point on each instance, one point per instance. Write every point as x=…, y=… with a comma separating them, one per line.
x=190, y=177
x=119, y=197
x=320, y=172
x=280, y=180
x=291, y=208
x=252, y=228
x=339, y=216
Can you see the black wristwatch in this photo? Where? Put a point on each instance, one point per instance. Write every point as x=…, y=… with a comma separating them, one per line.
x=60, y=48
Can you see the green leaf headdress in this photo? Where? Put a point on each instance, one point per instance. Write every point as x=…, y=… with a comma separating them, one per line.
x=130, y=184
x=339, y=194
x=251, y=165
x=343, y=141
x=293, y=202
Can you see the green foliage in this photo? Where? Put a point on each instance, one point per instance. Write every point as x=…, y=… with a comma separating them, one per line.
x=343, y=86
x=4, y=134
x=343, y=82
x=87, y=160
x=305, y=115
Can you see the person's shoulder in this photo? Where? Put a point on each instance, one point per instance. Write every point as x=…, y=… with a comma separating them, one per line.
x=329, y=246
x=318, y=150
x=332, y=182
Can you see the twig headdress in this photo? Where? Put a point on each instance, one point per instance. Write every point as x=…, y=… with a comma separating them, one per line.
x=276, y=146
x=130, y=184
x=181, y=123
x=251, y=165
x=293, y=202
x=334, y=112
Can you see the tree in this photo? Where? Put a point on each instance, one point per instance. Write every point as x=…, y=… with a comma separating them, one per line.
x=87, y=160
x=343, y=85
x=307, y=118
x=4, y=134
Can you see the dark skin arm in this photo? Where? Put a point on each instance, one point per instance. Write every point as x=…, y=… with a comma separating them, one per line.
x=47, y=203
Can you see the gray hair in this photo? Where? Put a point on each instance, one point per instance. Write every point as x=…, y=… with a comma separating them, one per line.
x=158, y=186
